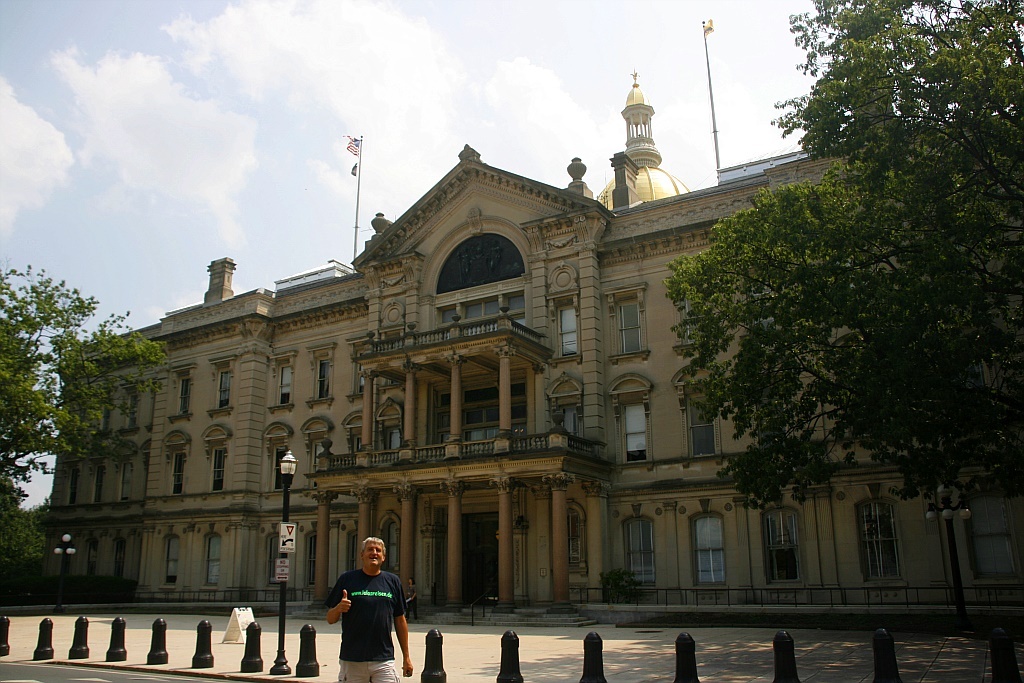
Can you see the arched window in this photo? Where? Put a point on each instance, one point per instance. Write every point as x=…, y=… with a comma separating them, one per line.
x=390, y=536
x=480, y=260
x=120, y=547
x=781, y=549
x=708, y=549
x=640, y=549
x=991, y=547
x=879, y=543
x=213, y=560
x=171, y=560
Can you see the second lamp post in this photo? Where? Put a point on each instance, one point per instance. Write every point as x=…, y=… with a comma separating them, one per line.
x=288, y=464
x=946, y=508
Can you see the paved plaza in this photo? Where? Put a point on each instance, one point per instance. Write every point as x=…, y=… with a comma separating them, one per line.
x=547, y=655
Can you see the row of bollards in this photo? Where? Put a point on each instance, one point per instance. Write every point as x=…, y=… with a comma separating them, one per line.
x=252, y=661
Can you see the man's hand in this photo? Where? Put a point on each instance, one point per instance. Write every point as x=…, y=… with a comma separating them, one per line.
x=407, y=666
x=345, y=603
x=334, y=613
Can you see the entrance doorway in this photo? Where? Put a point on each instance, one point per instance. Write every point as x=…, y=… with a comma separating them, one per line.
x=479, y=556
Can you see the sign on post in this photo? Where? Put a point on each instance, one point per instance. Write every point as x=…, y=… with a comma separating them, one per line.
x=281, y=569
x=287, y=536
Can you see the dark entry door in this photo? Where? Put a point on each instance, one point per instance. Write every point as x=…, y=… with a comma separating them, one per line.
x=479, y=556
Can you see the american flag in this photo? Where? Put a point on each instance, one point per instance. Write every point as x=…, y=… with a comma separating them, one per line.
x=353, y=145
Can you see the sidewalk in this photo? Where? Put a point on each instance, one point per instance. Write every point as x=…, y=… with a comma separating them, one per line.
x=547, y=655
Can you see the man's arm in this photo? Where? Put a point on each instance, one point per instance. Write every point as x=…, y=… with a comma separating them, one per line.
x=402, y=629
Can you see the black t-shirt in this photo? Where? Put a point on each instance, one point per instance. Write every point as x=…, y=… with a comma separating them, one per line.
x=366, y=627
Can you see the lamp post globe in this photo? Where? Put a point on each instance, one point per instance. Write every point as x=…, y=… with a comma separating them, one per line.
x=64, y=550
x=946, y=508
x=288, y=465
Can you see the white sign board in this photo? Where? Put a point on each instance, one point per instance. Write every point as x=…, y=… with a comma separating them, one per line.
x=240, y=619
x=287, y=536
x=281, y=569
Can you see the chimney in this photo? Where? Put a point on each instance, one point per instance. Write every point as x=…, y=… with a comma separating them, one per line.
x=624, y=195
x=576, y=171
x=220, y=281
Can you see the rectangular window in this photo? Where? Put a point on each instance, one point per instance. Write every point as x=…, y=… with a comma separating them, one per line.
x=184, y=394
x=178, y=473
x=780, y=539
x=284, y=392
x=635, y=419
x=323, y=378
x=394, y=439
x=132, y=417
x=629, y=327
x=575, y=537
x=311, y=560
x=640, y=549
x=171, y=564
x=213, y=560
x=279, y=452
x=119, y=553
x=567, y=330
x=878, y=540
x=571, y=419
x=702, y=430
x=274, y=552
x=990, y=537
x=219, y=457
x=224, y=389
x=97, y=493
x=126, y=480
x=92, y=553
x=73, y=486
x=708, y=550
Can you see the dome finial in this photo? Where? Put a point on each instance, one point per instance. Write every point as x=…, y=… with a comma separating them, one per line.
x=635, y=76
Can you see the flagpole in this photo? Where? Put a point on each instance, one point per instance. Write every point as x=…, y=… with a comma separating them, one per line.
x=359, y=182
x=709, y=27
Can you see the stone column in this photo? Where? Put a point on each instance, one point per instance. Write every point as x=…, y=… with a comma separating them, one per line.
x=542, y=520
x=506, y=576
x=454, y=488
x=559, y=539
x=407, y=534
x=505, y=354
x=409, y=426
x=672, y=530
x=597, y=523
x=742, y=540
x=323, y=542
x=455, y=420
x=365, y=495
x=367, y=432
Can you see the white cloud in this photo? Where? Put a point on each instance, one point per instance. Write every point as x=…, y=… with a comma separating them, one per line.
x=159, y=139
x=34, y=158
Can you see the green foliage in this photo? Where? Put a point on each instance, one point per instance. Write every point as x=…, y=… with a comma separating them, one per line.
x=881, y=308
x=57, y=378
x=620, y=585
x=22, y=539
x=78, y=590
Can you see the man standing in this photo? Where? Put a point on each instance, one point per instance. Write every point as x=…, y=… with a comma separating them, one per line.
x=368, y=601
x=410, y=600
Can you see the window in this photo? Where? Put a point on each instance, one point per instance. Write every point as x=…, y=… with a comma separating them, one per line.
x=709, y=553
x=219, y=457
x=575, y=537
x=178, y=473
x=479, y=309
x=311, y=559
x=105, y=420
x=119, y=552
x=323, y=378
x=567, y=331
x=279, y=452
x=480, y=415
x=97, y=491
x=640, y=549
x=126, y=480
x=781, y=546
x=273, y=552
x=702, y=429
x=571, y=418
x=213, y=560
x=73, y=475
x=991, y=547
x=629, y=328
x=878, y=540
x=284, y=387
x=92, y=553
x=171, y=562
x=390, y=537
x=224, y=389
x=393, y=438
x=635, y=424
x=132, y=415
x=184, y=394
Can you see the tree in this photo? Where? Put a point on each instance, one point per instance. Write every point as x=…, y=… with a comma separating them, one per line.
x=879, y=312
x=59, y=380
x=23, y=537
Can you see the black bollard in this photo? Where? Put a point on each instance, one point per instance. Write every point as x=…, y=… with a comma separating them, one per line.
x=884, y=648
x=5, y=631
x=433, y=660
x=80, y=645
x=686, y=659
x=44, y=647
x=252, y=660
x=116, y=651
x=509, y=672
x=203, y=658
x=785, y=658
x=593, y=659
x=307, y=667
x=158, y=646
x=1004, y=660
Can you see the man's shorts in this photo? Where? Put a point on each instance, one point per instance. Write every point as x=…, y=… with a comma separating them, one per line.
x=368, y=672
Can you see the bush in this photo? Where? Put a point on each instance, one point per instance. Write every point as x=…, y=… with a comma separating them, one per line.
x=620, y=585
x=42, y=590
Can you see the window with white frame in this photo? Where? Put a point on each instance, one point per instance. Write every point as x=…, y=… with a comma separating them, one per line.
x=224, y=389
x=708, y=549
x=213, y=560
x=635, y=428
x=323, y=378
x=284, y=385
x=97, y=491
x=219, y=460
x=184, y=394
x=879, y=542
x=781, y=545
x=171, y=547
x=178, y=472
x=311, y=559
x=630, y=399
x=126, y=480
x=629, y=327
x=568, y=342
x=640, y=549
x=991, y=544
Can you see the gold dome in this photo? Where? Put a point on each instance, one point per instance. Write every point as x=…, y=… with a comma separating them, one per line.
x=651, y=183
x=636, y=96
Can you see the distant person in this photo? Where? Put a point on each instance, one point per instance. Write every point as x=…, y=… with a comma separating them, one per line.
x=410, y=599
x=369, y=601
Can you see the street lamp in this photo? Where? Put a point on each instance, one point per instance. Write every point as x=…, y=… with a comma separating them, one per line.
x=64, y=550
x=946, y=508
x=281, y=668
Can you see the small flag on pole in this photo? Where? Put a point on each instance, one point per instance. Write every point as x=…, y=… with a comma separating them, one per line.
x=355, y=169
x=709, y=28
x=353, y=145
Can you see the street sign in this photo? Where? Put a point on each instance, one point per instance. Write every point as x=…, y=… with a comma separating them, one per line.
x=287, y=536
x=281, y=569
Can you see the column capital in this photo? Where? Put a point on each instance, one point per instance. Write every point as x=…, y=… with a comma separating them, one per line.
x=323, y=497
x=595, y=488
x=559, y=481
x=405, y=491
x=506, y=351
x=453, y=487
x=541, y=492
x=364, y=494
x=409, y=367
x=455, y=360
x=503, y=484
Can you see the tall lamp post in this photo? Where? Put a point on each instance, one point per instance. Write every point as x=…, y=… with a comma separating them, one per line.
x=946, y=508
x=281, y=667
x=65, y=549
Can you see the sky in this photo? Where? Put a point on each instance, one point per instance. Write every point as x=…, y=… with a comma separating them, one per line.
x=142, y=139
